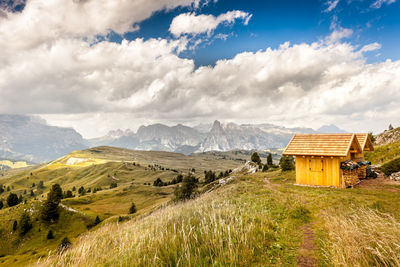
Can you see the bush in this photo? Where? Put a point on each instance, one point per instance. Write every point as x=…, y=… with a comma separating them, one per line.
x=50, y=235
x=391, y=167
x=265, y=168
x=287, y=163
x=132, y=209
x=12, y=200
x=113, y=185
x=65, y=244
x=209, y=176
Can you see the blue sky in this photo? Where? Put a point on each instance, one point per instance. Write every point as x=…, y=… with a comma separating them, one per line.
x=100, y=65
x=276, y=22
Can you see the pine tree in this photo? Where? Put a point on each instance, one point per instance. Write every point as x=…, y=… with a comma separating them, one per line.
x=269, y=159
x=390, y=127
x=50, y=235
x=132, y=209
x=32, y=194
x=15, y=225
x=20, y=199
x=255, y=158
x=50, y=207
x=12, y=200
x=97, y=220
x=1, y=204
x=25, y=223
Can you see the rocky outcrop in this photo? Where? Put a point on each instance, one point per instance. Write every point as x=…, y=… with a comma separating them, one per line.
x=388, y=137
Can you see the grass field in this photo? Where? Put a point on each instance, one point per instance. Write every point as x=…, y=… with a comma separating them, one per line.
x=133, y=171
x=259, y=219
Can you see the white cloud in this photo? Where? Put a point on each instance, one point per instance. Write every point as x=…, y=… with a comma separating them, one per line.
x=190, y=23
x=339, y=34
x=331, y=5
x=379, y=3
x=104, y=85
x=49, y=20
x=371, y=47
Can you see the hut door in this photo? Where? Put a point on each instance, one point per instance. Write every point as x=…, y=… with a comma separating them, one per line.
x=316, y=171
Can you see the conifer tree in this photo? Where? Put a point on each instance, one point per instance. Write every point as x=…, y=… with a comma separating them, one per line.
x=15, y=225
x=97, y=220
x=25, y=223
x=12, y=200
x=132, y=209
x=50, y=207
x=255, y=158
x=269, y=159
x=50, y=235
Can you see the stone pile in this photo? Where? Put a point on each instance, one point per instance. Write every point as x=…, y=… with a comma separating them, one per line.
x=395, y=176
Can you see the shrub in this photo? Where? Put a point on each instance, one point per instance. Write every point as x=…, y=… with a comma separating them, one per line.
x=64, y=245
x=391, y=167
x=287, y=163
x=132, y=209
x=25, y=223
x=12, y=200
x=113, y=185
x=265, y=168
x=50, y=235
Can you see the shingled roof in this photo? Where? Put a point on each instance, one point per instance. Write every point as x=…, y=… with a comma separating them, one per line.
x=337, y=145
x=365, y=141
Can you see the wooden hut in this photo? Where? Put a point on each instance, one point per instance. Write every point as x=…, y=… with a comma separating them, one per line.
x=318, y=157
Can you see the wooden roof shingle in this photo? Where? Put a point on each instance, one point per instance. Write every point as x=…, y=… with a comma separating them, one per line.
x=322, y=145
x=365, y=141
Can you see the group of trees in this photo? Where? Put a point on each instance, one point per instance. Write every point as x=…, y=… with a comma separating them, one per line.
x=178, y=179
x=50, y=210
x=187, y=188
x=210, y=176
x=285, y=163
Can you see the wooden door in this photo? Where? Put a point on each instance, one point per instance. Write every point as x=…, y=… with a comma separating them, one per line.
x=316, y=171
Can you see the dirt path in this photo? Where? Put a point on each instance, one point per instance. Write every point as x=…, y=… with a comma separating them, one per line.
x=306, y=256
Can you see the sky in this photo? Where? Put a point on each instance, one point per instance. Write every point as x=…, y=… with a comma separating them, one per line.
x=101, y=65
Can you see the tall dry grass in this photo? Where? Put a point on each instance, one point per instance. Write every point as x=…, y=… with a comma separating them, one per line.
x=223, y=228
x=365, y=237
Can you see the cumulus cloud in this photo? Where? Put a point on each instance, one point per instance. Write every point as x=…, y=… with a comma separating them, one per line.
x=96, y=86
x=339, y=34
x=379, y=3
x=190, y=23
x=46, y=21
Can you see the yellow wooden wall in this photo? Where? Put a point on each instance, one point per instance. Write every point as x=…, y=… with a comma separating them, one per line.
x=330, y=174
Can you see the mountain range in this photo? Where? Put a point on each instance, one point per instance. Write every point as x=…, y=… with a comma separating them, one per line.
x=31, y=138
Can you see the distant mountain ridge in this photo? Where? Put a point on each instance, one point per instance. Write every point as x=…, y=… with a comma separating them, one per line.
x=30, y=138
x=218, y=137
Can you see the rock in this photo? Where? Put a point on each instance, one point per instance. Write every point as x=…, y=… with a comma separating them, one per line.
x=395, y=176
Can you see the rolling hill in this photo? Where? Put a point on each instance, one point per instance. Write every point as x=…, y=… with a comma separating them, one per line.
x=95, y=169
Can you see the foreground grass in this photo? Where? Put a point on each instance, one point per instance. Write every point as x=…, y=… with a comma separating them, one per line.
x=242, y=224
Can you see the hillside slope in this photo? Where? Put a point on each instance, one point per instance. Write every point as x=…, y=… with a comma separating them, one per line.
x=388, y=137
x=259, y=219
